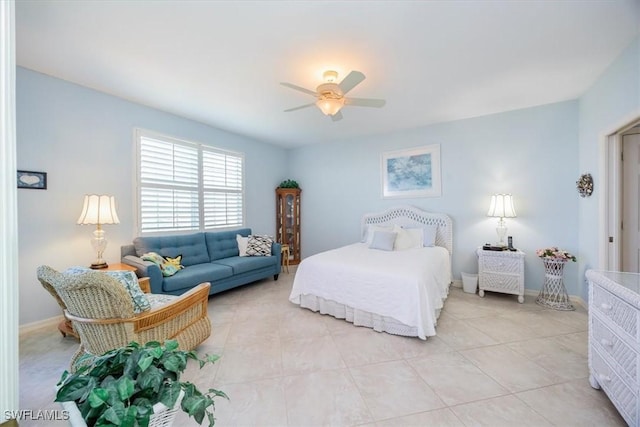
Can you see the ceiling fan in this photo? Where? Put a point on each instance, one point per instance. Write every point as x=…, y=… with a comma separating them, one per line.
x=331, y=95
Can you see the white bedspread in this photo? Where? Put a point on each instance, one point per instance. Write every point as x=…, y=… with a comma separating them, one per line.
x=409, y=286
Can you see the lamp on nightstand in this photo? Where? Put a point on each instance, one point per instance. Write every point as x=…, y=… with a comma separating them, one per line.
x=99, y=210
x=501, y=207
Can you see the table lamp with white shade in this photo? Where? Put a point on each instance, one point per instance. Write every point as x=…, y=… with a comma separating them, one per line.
x=501, y=207
x=99, y=210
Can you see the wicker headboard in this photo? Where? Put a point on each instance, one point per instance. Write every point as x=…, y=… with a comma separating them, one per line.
x=408, y=216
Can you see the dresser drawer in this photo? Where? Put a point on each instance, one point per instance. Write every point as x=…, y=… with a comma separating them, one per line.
x=501, y=264
x=617, y=311
x=500, y=282
x=613, y=347
x=620, y=395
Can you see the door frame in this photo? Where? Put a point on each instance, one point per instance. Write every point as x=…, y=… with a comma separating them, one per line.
x=611, y=200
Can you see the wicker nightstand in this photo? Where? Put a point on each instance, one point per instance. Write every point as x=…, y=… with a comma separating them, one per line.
x=501, y=271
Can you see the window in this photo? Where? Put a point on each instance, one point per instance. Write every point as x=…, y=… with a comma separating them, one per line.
x=186, y=186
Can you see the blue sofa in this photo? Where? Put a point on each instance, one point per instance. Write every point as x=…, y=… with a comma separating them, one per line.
x=206, y=256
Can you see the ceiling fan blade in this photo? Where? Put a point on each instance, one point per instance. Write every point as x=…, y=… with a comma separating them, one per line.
x=365, y=102
x=337, y=116
x=300, y=107
x=301, y=89
x=352, y=80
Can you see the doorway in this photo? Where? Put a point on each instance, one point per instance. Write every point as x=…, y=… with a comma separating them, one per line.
x=622, y=199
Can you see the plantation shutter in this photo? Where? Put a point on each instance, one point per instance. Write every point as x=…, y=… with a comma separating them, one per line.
x=185, y=186
x=222, y=178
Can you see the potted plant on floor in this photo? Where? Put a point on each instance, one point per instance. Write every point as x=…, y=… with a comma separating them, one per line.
x=136, y=385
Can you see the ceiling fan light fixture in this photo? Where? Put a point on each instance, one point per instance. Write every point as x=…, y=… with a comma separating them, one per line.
x=330, y=106
x=330, y=96
x=330, y=76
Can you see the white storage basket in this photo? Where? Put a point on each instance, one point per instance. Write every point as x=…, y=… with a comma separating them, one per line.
x=162, y=416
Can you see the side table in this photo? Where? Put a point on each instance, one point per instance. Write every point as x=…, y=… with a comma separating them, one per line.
x=284, y=251
x=501, y=271
x=553, y=293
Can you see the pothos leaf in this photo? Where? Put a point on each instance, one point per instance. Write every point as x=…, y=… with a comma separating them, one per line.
x=125, y=387
x=170, y=345
x=98, y=397
x=195, y=406
x=76, y=388
x=144, y=362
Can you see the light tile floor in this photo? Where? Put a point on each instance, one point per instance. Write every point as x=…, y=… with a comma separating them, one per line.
x=494, y=362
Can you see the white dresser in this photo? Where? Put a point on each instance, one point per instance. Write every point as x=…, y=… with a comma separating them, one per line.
x=614, y=339
x=501, y=271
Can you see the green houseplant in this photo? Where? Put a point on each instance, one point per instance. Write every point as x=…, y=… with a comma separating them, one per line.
x=121, y=386
x=288, y=183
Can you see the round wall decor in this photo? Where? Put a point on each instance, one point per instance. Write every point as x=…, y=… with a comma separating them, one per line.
x=585, y=185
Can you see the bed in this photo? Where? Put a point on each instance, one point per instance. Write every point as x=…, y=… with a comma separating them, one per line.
x=400, y=292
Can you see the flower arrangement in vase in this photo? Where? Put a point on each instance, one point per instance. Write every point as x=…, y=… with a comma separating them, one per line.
x=553, y=253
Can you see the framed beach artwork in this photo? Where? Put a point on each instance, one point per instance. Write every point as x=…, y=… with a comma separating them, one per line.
x=413, y=172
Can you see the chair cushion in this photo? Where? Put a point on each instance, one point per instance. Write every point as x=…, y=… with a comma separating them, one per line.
x=158, y=300
x=127, y=279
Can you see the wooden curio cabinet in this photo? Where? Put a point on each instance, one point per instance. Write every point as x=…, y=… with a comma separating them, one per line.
x=288, y=221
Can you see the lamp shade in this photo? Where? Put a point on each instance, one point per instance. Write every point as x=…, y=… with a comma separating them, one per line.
x=99, y=210
x=502, y=206
x=330, y=106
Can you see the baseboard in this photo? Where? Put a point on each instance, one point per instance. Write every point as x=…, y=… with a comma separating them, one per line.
x=573, y=298
x=33, y=326
x=578, y=300
x=534, y=292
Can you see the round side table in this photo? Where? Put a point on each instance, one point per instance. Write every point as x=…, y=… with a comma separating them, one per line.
x=553, y=293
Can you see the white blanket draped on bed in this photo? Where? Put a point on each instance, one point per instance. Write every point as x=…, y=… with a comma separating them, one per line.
x=409, y=286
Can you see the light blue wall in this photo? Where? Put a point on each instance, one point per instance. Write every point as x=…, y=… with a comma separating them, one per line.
x=531, y=153
x=612, y=102
x=83, y=139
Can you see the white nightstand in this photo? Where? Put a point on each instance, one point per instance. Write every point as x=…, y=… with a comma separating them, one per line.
x=501, y=271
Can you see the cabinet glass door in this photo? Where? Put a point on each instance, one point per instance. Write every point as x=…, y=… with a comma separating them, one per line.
x=289, y=222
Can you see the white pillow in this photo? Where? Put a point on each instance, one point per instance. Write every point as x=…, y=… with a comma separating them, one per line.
x=429, y=235
x=242, y=244
x=407, y=238
x=383, y=240
x=371, y=228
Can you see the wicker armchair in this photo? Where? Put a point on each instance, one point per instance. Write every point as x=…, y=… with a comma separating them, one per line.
x=65, y=326
x=102, y=313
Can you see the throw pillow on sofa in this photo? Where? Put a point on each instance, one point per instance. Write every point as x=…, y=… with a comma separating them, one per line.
x=259, y=245
x=242, y=244
x=168, y=266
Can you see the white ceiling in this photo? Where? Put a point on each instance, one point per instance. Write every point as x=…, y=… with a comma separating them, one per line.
x=221, y=62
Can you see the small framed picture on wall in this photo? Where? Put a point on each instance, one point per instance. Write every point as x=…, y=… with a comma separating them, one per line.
x=32, y=180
